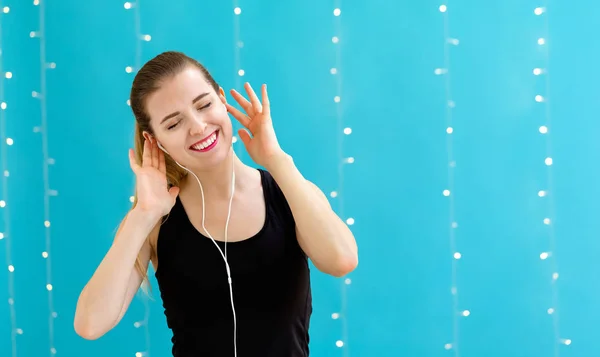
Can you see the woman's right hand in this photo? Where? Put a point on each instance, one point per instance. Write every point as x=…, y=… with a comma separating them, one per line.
x=153, y=195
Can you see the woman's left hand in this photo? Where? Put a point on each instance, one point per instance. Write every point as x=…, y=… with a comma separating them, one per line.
x=262, y=146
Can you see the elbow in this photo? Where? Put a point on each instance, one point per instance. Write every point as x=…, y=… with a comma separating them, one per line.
x=345, y=265
x=86, y=329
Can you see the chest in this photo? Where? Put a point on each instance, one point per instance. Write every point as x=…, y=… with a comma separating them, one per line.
x=242, y=221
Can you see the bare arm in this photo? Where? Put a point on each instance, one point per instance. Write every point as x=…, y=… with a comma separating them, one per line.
x=107, y=295
x=323, y=236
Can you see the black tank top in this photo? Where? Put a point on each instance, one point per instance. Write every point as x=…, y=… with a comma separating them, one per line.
x=271, y=286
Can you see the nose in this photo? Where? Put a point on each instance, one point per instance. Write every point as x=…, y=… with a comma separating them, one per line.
x=198, y=126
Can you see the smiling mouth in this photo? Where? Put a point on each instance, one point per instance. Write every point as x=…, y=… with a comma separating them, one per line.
x=206, y=144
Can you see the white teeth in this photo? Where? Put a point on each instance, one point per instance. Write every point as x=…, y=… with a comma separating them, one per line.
x=206, y=143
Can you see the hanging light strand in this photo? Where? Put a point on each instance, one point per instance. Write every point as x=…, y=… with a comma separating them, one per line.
x=238, y=44
x=457, y=313
x=338, y=194
x=548, y=193
x=137, y=64
x=5, y=234
x=47, y=161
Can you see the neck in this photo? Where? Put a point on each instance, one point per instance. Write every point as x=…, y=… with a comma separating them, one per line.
x=216, y=180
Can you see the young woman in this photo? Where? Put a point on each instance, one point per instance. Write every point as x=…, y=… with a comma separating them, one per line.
x=232, y=241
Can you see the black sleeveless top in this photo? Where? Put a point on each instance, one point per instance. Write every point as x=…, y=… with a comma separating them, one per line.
x=271, y=286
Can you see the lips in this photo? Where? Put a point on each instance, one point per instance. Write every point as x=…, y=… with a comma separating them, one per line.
x=207, y=143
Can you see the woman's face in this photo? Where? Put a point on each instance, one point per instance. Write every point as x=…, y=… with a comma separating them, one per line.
x=190, y=120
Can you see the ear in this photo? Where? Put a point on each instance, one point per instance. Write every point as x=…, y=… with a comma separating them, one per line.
x=222, y=95
x=147, y=136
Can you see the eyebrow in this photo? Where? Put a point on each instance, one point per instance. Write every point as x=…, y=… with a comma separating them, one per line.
x=177, y=113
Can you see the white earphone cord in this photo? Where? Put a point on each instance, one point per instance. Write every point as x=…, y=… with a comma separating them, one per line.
x=220, y=251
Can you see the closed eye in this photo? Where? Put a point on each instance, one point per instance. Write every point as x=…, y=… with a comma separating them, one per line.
x=179, y=121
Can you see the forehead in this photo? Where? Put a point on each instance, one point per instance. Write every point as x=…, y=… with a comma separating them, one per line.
x=176, y=93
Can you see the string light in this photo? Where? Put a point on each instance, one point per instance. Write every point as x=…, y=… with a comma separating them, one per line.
x=5, y=234
x=237, y=62
x=338, y=194
x=547, y=194
x=47, y=162
x=448, y=192
x=140, y=38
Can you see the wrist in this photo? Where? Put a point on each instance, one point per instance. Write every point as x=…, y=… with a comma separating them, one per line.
x=144, y=218
x=277, y=161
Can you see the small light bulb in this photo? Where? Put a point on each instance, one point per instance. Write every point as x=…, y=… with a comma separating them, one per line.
x=335, y=316
x=538, y=11
x=45, y=254
x=49, y=287
x=466, y=313
x=543, y=129
x=237, y=11
x=443, y=8
x=333, y=71
x=335, y=39
x=446, y=193
x=9, y=141
x=128, y=69
x=11, y=268
x=47, y=224
x=550, y=311
x=449, y=130
x=350, y=221
x=539, y=98
x=147, y=38
x=241, y=72
x=548, y=161
x=127, y=5
x=339, y=343
x=457, y=255
x=337, y=12
x=333, y=194
x=337, y=99
x=448, y=346
x=541, y=41
x=542, y=193
x=8, y=75
x=546, y=221
x=6, y=9
x=347, y=131
x=537, y=71
x=544, y=256
x=348, y=281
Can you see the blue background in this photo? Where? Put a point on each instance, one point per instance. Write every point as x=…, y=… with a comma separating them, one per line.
x=68, y=164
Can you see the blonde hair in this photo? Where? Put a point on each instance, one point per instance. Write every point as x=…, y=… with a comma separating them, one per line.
x=148, y=80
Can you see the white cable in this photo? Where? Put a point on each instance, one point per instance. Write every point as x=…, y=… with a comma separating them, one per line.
x=208, y=234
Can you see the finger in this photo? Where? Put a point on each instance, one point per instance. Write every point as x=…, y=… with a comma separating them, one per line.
x=244, y=136
x=132, y=163
x=162, y=167
x=265, y=101
x=243, y=102
x=147, y=155
x=253, y=98
x=241, y=117
x=154, y=153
